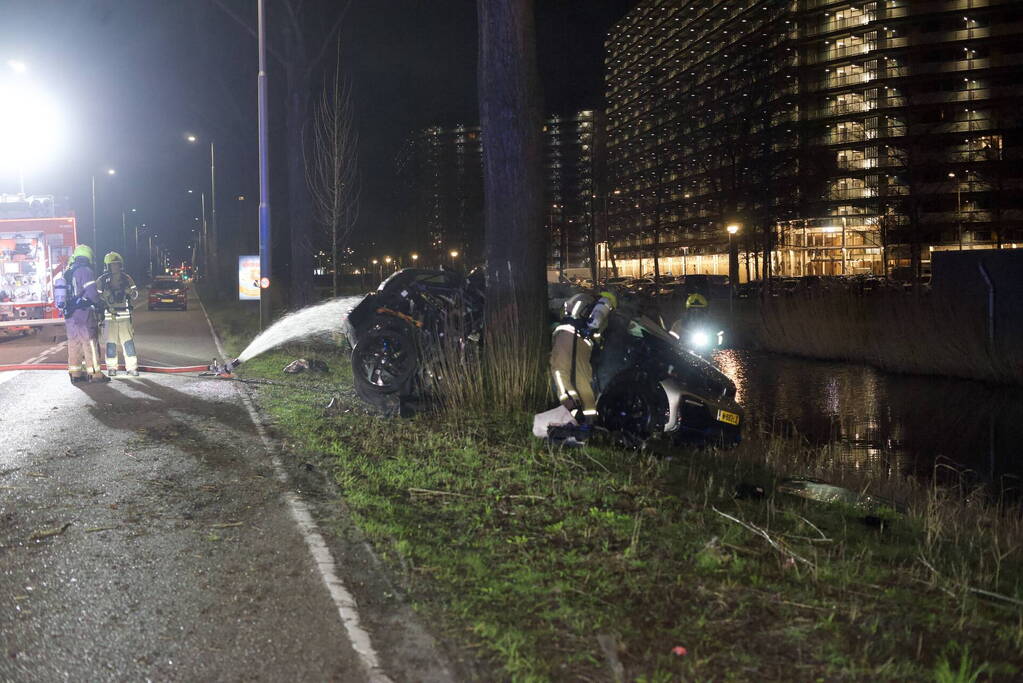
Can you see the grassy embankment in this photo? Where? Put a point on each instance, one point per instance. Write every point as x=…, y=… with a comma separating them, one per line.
x=590, y=564
x=892, y=331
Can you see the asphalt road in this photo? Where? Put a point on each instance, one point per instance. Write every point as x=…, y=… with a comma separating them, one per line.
x=145, y=534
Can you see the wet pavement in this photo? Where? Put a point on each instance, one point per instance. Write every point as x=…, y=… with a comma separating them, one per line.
x=881, y=420
x=144, y=535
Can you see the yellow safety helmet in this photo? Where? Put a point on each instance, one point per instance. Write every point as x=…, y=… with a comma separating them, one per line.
x=111, y=257
x=611, y=298
x=82, y=250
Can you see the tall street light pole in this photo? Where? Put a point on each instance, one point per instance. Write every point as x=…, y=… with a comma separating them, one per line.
x=959, y=209
x=264, y=179
x=95, y=241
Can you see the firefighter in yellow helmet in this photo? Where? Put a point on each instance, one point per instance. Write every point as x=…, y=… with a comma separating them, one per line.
x=585, y=319
x=118, y=291
x=82, y=308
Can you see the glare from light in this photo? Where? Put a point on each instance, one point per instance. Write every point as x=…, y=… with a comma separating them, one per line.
x=387, y=259
x=17, y=66
x=699, y=339
x=111, y=171
x=32, y=131
x=732, y=229
x=454, y=254
x=415, y=257
x=191, y=138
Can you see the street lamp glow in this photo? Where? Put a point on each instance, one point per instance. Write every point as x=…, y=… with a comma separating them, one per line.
x=732, y=228
x=387, y=259
x=191, y=138
x=375, y=262
x=31, y=126
x=415, y=257
x=454, y=254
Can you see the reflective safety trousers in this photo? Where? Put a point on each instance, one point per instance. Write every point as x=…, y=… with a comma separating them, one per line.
x=82, y=350
x=121, y=334
x=576, y=395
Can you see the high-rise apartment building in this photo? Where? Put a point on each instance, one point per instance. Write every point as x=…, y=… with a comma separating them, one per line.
x=442, y=178
x=441, y=171
x=573, y=154
x=843, y=137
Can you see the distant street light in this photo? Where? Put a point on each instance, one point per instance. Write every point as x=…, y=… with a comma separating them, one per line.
x=95, y=233
x=210, y=236
x=733, y=263
x=415, y=257
x=959, y=209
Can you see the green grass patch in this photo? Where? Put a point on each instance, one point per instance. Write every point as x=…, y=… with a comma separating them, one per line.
x=528, y=554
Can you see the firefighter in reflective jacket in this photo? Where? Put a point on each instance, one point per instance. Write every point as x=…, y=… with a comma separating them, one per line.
x=118, y=291
x=82, y=310
x=585, y=319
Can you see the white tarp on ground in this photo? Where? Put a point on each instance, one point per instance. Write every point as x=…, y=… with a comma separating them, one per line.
x=551, y=418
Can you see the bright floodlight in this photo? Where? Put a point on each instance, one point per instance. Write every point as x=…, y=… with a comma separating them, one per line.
x=111, y=171
x=191, y=138
x=454, y=254
x=732, y=229
x=31, y=129
x=17, y=66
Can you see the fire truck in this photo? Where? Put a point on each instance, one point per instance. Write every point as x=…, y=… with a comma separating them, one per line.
x=35, y=246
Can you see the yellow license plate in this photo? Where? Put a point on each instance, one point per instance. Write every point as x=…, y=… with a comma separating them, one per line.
x=730, y=418
x=166, y=301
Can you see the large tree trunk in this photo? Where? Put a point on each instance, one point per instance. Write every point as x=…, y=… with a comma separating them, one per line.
x=512, y=158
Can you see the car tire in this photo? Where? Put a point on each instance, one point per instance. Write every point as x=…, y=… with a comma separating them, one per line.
x=384, y=365
x=633, y=407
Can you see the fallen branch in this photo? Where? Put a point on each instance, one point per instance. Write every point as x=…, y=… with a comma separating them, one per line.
x=780, y=547
x=432, y=492
x=47, y=533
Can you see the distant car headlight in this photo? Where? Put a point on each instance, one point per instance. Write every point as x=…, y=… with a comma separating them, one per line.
x=699, y=339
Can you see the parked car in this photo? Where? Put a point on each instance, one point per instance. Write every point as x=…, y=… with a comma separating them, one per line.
x=166, y=291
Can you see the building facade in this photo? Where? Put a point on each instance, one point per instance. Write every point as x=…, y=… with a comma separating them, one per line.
x=841, y=137
x=442, y=179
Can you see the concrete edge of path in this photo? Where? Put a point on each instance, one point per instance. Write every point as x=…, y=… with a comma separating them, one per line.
x=322, y=557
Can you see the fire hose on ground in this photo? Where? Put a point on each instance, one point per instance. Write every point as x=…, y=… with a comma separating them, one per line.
x=214, y=368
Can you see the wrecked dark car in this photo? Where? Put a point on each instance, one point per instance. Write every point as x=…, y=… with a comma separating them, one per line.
x=648, y=385
x=404, y=321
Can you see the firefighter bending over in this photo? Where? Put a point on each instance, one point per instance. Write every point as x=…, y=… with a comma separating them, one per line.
x=118, y=291
x=572, y=346
x=82, y=309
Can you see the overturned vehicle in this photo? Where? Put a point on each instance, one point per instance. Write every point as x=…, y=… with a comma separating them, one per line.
x=647, y=384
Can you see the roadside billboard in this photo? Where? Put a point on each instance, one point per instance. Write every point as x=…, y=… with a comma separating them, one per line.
x=248, y=278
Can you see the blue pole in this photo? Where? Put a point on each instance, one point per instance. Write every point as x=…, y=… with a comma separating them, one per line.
x=264, y=178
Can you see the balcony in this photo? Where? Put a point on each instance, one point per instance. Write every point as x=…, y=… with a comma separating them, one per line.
x=840, y=24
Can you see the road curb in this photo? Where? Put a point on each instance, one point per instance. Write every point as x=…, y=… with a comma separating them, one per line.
x=323, y=559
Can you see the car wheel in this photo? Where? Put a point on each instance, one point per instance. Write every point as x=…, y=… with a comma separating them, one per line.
x=634, y=407
x=384, y=364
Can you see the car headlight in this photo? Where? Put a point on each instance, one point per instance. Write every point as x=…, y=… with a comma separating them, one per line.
x=699, y=339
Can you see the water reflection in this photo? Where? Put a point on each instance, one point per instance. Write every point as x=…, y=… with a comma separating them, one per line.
x=880, y=420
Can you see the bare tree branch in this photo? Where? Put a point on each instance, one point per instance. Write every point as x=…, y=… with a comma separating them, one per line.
x=331, y=167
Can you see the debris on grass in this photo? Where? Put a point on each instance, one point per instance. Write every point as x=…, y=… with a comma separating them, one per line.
x=301, y=365
x=225, y=525
x=610, y=646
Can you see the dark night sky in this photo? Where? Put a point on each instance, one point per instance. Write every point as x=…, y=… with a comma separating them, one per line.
x=134, y=75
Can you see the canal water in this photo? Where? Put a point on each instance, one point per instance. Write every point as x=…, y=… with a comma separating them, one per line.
x=883, y=421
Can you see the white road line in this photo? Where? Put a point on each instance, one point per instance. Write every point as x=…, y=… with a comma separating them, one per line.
x=8, y=376
x=322, y=557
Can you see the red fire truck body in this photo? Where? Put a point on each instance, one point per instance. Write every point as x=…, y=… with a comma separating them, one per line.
x=33, y=253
